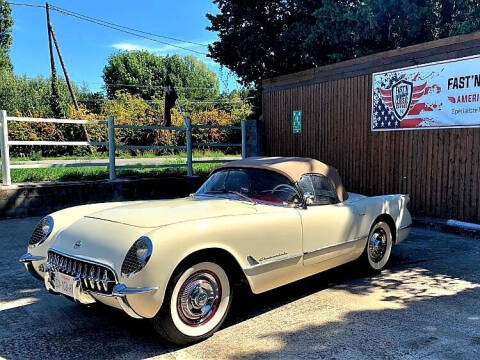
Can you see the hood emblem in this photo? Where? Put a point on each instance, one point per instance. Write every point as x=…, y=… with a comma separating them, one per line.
x=77, y=244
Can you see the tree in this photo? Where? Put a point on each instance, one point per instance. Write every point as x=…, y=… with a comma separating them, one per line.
x=144, y=74
x=348, y=29
x=264, y=38
x=6, y=23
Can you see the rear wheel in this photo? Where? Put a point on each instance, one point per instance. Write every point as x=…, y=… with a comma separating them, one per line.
x=196, y=304
x=379, y=247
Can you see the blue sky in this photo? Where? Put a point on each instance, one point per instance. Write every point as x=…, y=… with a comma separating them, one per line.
x=86, y=46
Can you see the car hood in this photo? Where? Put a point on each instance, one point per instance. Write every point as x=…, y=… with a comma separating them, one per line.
x=153, y=214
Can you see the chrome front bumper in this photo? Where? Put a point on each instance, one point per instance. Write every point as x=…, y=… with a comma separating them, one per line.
x=81, y=295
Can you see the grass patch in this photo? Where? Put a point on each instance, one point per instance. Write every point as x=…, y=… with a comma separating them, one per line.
x=197, y=153
x=101, y=173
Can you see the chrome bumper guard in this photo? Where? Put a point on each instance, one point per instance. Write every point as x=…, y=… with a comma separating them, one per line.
x=121, y=291
x=80, y=295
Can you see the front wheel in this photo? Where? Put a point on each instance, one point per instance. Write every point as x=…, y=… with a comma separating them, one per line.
x=196, y=303
x=379, y=247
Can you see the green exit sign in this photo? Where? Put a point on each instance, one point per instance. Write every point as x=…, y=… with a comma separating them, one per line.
x=297, y=121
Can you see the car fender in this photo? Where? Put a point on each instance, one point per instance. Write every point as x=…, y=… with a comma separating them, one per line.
x=371, y=208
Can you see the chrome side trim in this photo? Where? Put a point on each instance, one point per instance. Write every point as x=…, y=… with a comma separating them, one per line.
x=122, y=290
x=404, y=227
x=269, y=262
x=334, y=245
x=28, y=258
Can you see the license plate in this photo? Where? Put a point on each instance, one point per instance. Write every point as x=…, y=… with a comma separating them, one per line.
x=64, y=284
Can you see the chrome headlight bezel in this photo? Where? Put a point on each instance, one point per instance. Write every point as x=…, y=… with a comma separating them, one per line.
x=137, y=256
x=42, y=231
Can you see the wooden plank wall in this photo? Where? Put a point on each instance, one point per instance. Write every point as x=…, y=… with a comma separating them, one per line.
x=440, y=169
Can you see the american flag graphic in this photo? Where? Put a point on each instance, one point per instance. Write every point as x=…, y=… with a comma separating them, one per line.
x=416, y=113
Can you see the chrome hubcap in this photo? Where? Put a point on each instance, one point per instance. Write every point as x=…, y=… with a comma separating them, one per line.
x=377, y=246
x=199, y=298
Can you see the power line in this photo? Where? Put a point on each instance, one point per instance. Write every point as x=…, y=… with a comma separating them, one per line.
x=28, y=5
x=129, y=28
x=120, y=28
x=116, y=27
x=81, y=83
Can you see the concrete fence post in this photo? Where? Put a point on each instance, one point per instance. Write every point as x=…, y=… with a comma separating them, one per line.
x=188, y=136
x=111, y=148
x=4, y=149
x=244, y=139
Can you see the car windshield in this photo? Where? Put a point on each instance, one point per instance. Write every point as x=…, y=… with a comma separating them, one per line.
x=250, y=184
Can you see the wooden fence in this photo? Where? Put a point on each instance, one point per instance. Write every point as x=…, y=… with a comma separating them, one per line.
x=440, y=169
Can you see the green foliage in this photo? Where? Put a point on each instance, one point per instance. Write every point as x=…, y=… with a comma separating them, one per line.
x=128, y=109
x=31, y=97
x=144, y=74
x=373, y=26
x=21, y=96
x=5, y=63
x=259, y=39
x=6, y=23
x=264, y=38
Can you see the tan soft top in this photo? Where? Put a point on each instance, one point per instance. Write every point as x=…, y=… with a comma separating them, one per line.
x=293, y=168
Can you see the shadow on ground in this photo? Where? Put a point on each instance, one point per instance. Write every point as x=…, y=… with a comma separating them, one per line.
x=425, y=305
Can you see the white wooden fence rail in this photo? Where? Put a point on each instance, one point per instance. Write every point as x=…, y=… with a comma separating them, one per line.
x=5, y=144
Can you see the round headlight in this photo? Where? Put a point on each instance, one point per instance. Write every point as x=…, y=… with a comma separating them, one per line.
x=42, y=231
x=137, y=257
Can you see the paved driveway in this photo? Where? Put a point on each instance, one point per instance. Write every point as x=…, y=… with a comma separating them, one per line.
x=426, y=305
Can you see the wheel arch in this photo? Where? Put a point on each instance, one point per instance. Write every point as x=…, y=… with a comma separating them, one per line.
x=390, y=222
x=217, y=255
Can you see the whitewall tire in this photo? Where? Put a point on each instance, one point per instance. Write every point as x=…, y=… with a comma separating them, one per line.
x=379, y=246
x=197, y=302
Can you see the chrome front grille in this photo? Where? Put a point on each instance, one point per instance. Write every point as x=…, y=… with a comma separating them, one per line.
x=94, y=277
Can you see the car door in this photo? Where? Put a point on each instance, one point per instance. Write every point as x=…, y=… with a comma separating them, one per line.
x=328, y=225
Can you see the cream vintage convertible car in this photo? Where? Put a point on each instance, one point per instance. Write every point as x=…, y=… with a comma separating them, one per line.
x=266, y=221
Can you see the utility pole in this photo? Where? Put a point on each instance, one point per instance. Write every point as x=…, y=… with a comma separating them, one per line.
x=54, y=103
x=67, y=78
x=51, y=35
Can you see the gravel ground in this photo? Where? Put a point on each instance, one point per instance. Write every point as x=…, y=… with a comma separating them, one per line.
x=425, y=305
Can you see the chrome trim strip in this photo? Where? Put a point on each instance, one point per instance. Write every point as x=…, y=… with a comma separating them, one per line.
x=122, y=290
x=86, y=260
x=404, y=227
x=28, y=258
x=334, y=245
x=255, y=266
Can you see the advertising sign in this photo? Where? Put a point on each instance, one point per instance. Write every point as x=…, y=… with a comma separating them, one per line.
x=438, y=95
